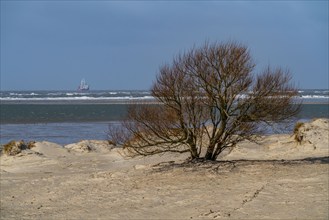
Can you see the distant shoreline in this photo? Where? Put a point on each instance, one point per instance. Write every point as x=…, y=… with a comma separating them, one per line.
x=111, y=102
x=77, y=102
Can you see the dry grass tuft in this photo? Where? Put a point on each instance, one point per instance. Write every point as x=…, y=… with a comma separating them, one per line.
x=297, y=134
x=13, y=148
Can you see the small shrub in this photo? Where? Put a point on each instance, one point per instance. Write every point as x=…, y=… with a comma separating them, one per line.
x=201, y=87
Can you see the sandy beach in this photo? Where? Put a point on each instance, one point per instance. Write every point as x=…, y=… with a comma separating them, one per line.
x=277, y=178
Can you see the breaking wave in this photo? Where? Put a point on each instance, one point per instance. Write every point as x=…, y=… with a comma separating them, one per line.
x=310, y=95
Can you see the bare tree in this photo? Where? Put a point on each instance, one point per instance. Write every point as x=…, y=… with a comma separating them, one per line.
x=210, y=99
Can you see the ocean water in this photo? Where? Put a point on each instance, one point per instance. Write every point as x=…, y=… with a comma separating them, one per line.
x=68, y=116
x=103, y=96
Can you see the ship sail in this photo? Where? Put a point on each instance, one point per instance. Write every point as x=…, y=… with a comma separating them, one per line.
x=83, y=86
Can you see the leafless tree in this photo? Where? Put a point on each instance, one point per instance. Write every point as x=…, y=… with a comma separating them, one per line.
x=209, y=99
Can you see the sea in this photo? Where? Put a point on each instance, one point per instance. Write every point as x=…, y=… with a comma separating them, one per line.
x=66, y=117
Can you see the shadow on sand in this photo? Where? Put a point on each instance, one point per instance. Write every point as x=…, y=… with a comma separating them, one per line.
x=229, y=165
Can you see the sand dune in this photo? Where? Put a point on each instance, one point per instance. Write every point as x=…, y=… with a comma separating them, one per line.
x=276, y=178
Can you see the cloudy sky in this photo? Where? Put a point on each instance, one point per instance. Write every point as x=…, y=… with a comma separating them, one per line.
x=51, y=45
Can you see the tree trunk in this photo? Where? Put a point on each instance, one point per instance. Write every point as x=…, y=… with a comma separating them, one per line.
x=210, y=151
x=193, y=148
x=194, y=151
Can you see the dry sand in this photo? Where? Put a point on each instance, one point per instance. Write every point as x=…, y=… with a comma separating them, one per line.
x=275, y=179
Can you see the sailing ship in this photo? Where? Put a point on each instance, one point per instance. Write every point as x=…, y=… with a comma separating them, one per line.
x=83, y=86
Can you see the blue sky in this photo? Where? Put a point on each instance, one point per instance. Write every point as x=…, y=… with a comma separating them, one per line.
x=51, y=45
